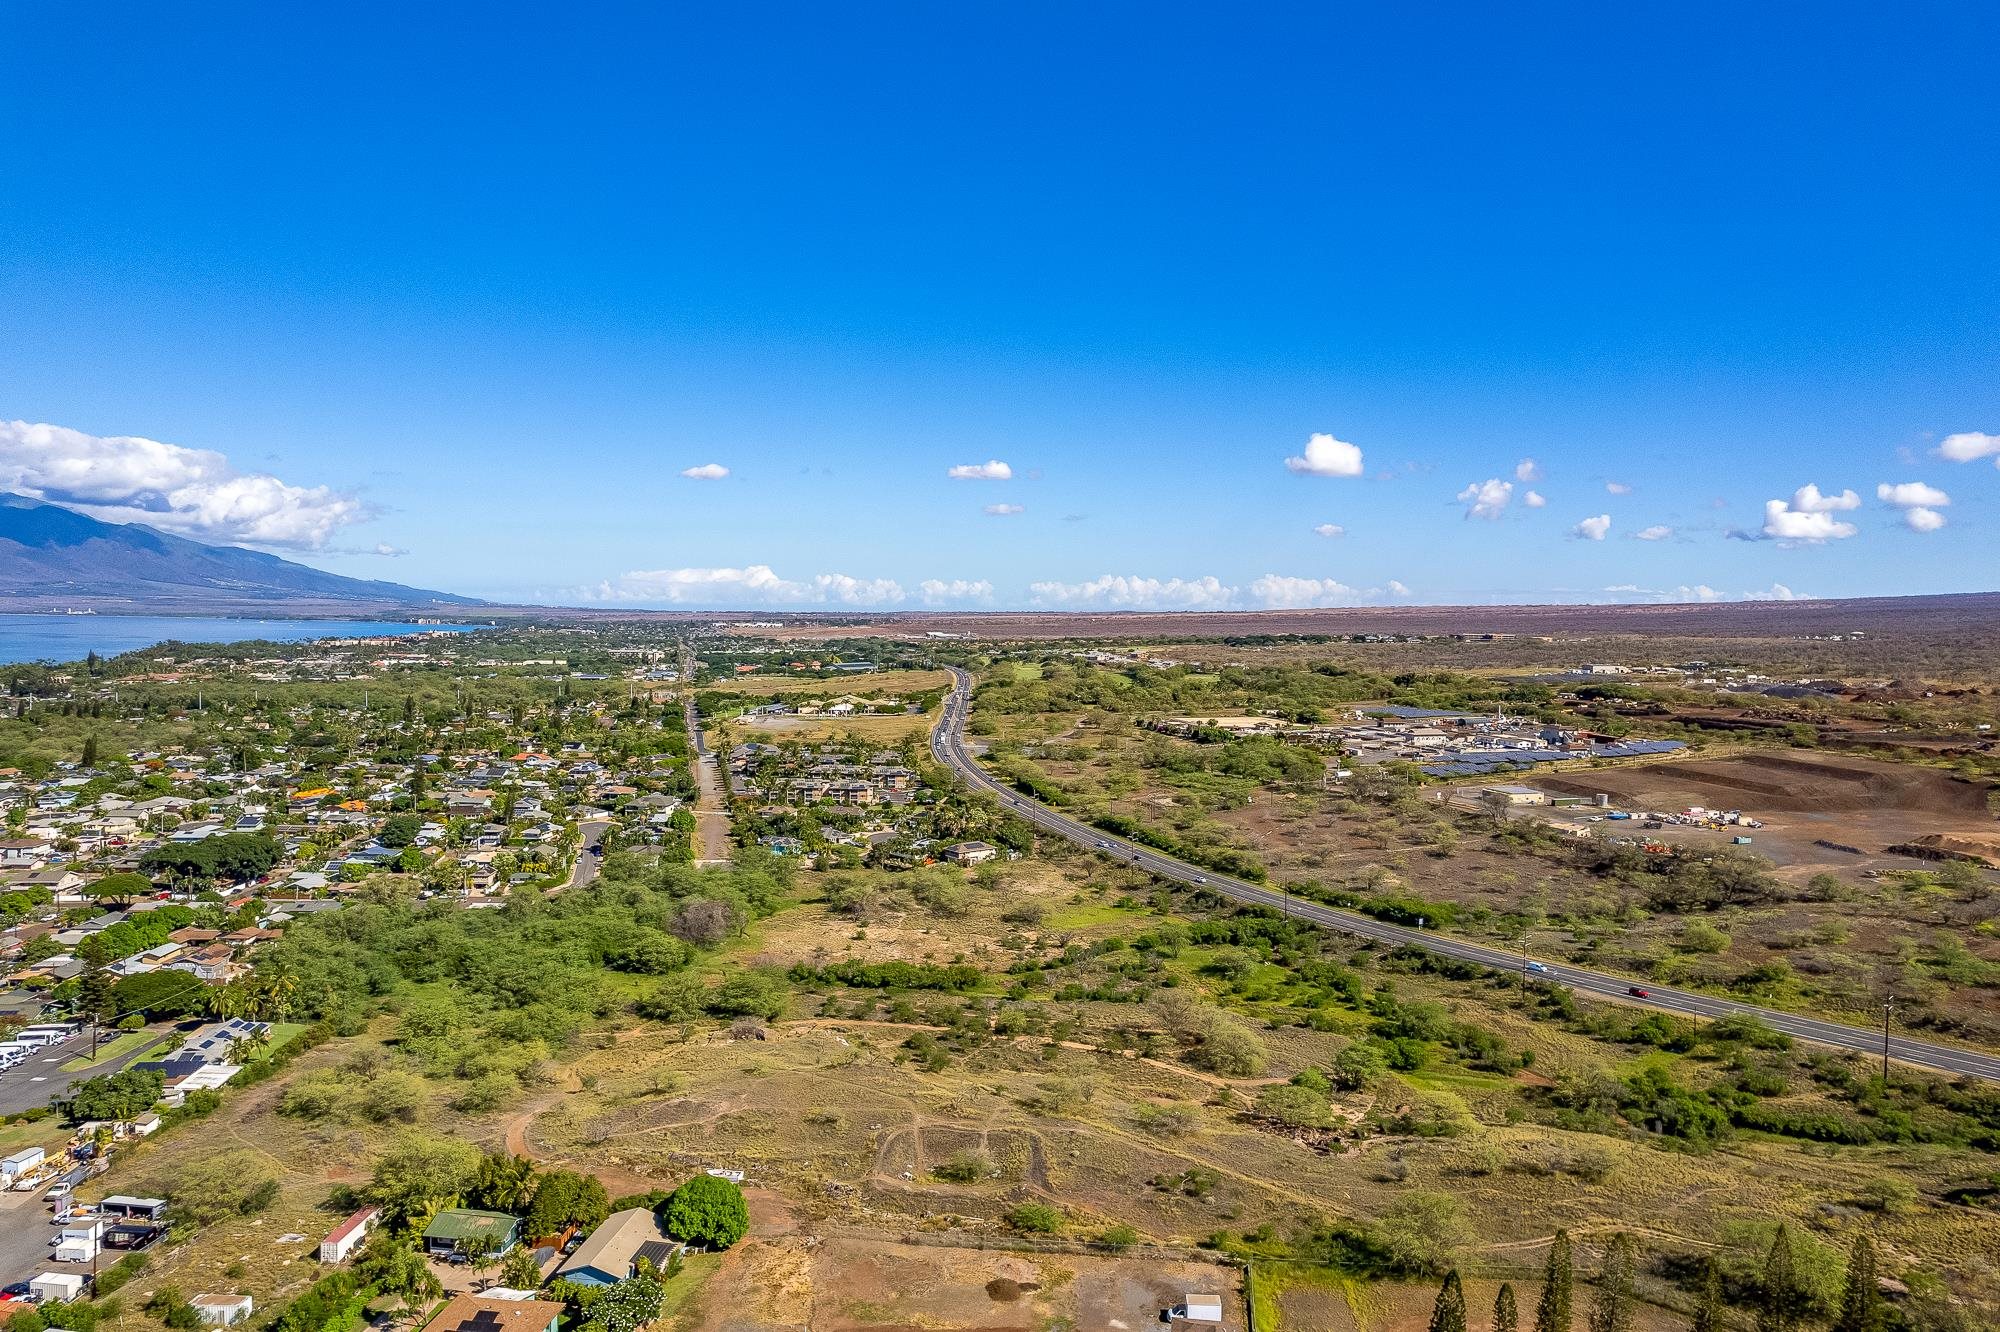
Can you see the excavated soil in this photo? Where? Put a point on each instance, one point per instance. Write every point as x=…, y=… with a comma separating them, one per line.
x=1790, y=783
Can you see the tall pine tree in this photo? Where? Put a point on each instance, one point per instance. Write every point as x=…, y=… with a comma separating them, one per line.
x=1784, y=1302
x=1611, y=1308
x=1552, y=1312
x=1708, y=1300
x=1861, y=1303
x=1448, y=1314
x=1506, y=1317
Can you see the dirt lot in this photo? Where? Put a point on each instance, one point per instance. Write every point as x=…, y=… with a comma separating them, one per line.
x=1804, y=801
x=852, y=1284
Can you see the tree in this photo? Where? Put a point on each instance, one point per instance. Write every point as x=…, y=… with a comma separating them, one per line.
x=1422, y=1231
x=627, y=1306
x=521, y=1271
x=504, y=1183
x=394, y=1266
x=122, y=1095
x=708, y=1210
x=1552, y=1312
x=1783, y=1300
x=422, y=1174
x=1861, y=1301
x=1448, y=1314
x=1611, y=1308
x=89, y=752
x=1506, y=1314
x=565, y=1198
x=119, y=889
x=1708, y=1299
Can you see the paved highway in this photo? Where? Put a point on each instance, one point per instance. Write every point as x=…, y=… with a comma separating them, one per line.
x=948, y=745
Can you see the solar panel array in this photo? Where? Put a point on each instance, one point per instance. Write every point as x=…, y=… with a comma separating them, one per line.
x=1481, y=764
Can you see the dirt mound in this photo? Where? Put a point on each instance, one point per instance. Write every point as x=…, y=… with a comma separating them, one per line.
x=1780, y=782
x=1980, y=848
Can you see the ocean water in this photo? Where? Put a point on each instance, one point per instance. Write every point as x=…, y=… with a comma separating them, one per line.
x=73, y=637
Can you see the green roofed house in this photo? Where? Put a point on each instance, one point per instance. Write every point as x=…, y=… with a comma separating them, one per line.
x=455, y=1229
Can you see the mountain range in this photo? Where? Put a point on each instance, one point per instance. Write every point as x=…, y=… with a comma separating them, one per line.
x=53, y=558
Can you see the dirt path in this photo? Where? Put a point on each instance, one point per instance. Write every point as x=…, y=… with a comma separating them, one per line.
x=711, y=810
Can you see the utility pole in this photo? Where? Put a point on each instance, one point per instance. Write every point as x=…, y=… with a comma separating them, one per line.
x=1888, y=1007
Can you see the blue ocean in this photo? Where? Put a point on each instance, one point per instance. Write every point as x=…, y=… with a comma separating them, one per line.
x=72, y=637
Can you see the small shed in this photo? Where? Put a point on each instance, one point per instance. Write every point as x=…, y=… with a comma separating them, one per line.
x=222, y=1310
x=1202, y=1308
x=343, y=1239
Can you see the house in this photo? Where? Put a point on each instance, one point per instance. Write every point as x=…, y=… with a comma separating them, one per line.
x=19, y=851
x=1515, y=795
x=612, y=1252
x=477, y=1313
x=969, y=853
x=222, y=1310
x=455, y=1228
x=346, y=1237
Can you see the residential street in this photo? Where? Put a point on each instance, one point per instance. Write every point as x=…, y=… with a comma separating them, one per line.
x=711, y=813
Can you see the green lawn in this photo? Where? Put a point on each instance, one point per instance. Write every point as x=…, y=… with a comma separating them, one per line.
x=112, y=1049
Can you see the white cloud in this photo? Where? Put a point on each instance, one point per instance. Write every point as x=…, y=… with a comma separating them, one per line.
x=936, y=590
x=393, y=552
x=1593, y=529
x=705, y=472
x=1700, y=592
x=1783, y=522
x=1527, y=470
x=1280, y=592
x=754, y=584
x=1657, y=532
x=1132, y=592
x=1808, y=499
x=991, y=470
x=1970, y=445
x=190, y=492
x=1327, y=456
x=1398, y=588
x=1534, y=499
x=1617, y=488
x=1912, y=495
x=1002, y=510
x=1329, y=530
x=1486, y=499
x=1919, y=502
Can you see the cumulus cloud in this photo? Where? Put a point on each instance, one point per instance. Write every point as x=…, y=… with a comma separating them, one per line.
x=1969, y=446
x=1699, y=592
x=1534, y=499
x=393, y=552
x=1617, y=488
x=705, y=472
x=1002, y=510
x=1327, y=456
x=1329, y=530
x=755, y=584
x=1527, y=470
x=1269, y=592
x=990, y=470
x=189, y=492
x=1486, y=499
x=1280, y=592
x=1593, y=529
x=1808, y=517
x=937, y=590
x=1131, y=592
x=1657, y=532
x=1808, y=499
x=1919, y=502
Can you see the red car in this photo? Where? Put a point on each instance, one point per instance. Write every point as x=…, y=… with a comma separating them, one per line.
x=1637, y=993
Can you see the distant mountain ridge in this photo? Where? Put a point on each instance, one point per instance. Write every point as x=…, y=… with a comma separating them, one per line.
x=56, y=558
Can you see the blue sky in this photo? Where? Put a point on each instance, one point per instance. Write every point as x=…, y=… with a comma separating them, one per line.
x=455, y=298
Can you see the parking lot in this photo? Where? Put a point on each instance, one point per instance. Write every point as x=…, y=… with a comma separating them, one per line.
x=40, y=1078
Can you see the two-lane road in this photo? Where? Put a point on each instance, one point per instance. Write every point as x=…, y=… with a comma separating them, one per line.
x=948, y=745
